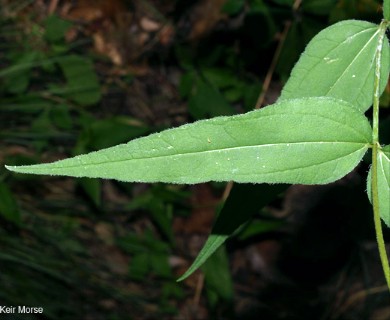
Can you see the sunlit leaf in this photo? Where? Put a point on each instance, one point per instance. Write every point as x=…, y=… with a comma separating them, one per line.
x=339, y=62
x=309, y=141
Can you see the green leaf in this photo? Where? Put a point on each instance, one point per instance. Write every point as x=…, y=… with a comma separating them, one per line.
x=251, y=94
x=355, y=9
x=60, y=115
x=82, y=82
x=232, y=7
x=284, y=143
x=158, y=202
x=213, y=243
x=93, y=189
x=109, y=132
x=8, y=206
x=299, y=35
x=255, y=197
x=339, y=62
x=208, y=101
x=55, y=28
x=321, y=7
x=139, y=266
x=383, y=184
x=148, y=255
x=386, y=9
x=220, y=78
x=17, y=76
x=217, y=275
x=285, y=2
x=186, y=83
x=258, y=227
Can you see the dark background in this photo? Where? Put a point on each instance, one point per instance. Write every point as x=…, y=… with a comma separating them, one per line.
x=78, y=76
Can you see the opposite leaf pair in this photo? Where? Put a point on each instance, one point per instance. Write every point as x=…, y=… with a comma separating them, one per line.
x=304, y=140
x=315, y=134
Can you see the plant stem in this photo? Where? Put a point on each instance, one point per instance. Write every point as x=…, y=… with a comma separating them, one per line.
x=375, y=148
x=377, y=218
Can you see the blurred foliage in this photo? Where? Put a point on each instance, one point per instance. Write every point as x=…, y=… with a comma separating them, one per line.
x=52, y=92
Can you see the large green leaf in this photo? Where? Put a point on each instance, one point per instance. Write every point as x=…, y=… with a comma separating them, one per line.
x=339, y=62
x=383, y=184
x=309, y=141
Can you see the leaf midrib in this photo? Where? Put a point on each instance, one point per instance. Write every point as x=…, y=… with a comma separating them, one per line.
x=381, y=166
x=356, y=57
x=364, y=145
x=320, y=59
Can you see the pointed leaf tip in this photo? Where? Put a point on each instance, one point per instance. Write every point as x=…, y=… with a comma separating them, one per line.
x=19, y=169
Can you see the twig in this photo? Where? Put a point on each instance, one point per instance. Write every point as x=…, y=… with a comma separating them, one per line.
x=268, y=77
x=52, y=6
x=199, y=288
x=282, y=39
x=360, y=295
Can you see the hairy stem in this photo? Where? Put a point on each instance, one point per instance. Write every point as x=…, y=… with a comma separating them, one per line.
x=375, y=148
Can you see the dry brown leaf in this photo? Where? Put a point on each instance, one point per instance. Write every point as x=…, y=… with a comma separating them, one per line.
x=105, y=232
x=166, y=35
x=91, y=10
x=149, y=25
x=107, y=48
x=206, y=15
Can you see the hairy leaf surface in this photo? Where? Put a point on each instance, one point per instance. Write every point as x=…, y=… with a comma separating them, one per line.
x=383, y=184
x=339, y=62
x=309, y=141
